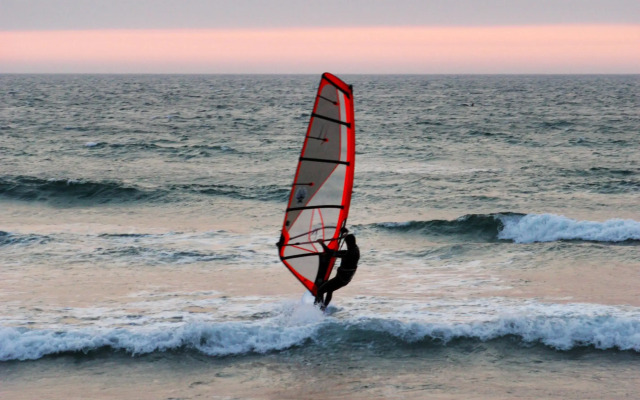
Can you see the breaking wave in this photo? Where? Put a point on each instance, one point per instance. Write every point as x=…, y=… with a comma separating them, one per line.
x=559, y=327
x=522, y=228
x=549, y=227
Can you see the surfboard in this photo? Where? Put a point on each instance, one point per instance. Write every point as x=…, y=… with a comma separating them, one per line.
x=320, y=195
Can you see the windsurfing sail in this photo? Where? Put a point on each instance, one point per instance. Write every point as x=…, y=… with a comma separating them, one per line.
x=321, y=192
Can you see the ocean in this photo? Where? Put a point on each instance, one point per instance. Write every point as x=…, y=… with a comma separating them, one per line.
x=497, y=216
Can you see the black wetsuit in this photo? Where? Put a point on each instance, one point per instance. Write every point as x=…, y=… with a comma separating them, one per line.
x=347, y=269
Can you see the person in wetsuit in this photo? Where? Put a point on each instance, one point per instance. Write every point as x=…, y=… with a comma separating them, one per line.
x=347, y=269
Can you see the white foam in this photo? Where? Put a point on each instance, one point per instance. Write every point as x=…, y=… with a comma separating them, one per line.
x=291, y=325
x=549, y=227
x=288, y=324
x=560, y=326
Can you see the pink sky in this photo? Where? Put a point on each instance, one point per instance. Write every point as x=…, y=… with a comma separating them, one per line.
x=503, y=49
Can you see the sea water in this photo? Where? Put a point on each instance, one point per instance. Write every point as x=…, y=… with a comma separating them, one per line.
x=498, y=219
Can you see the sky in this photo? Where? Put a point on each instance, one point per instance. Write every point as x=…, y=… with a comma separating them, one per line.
x=303, y=36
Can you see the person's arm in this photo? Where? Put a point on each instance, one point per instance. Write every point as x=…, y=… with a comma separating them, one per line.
x=333, y=253
x=324, y=246
x=340, y=253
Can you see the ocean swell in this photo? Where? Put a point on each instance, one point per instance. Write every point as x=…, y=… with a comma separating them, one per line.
x=8, y=238
x=27, y=188
x=70, y=191
x=484, y=227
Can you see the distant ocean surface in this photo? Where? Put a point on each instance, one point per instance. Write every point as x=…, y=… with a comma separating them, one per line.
x=498, y=219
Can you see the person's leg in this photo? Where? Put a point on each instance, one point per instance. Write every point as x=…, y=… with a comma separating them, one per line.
x=327, y=299
x=319, y=299
x=329, y=287
x=320, y=293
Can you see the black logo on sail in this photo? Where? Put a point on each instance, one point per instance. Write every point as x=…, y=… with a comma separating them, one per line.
x=301, y=194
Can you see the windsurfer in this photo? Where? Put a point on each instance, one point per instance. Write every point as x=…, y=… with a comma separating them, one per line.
x=347, y=269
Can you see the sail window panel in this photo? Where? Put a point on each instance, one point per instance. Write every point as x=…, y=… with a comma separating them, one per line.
x=328, y=103
x=310, y=223
x=324, y=140
x=330, y=192
x=306, y=266
x=321, y=219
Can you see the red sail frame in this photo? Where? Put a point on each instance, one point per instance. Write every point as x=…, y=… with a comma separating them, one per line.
x=320, y=196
